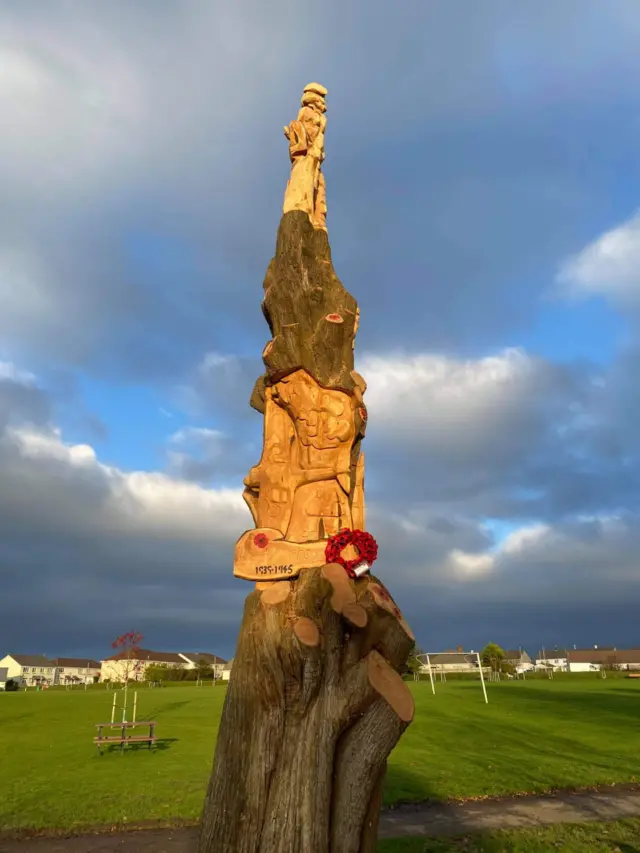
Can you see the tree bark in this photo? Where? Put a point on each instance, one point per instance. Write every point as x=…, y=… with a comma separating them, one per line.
x=314, y=706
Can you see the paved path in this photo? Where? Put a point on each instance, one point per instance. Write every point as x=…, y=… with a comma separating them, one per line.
x=433, y=820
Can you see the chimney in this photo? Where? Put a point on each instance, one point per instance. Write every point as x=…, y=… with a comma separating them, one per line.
x=460, y=649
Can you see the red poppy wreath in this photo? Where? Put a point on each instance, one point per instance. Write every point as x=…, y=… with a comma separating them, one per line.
x=365, y=545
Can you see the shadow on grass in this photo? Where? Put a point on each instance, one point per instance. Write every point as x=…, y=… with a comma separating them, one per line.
x=162, y=744
x=620, y=702
x=162, y=709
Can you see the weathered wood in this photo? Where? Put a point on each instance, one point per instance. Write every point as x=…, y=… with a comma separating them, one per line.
x=305, y=731
x=303, y=297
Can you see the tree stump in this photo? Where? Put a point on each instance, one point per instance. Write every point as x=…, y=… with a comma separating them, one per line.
x=314, y=706
x=315, y=701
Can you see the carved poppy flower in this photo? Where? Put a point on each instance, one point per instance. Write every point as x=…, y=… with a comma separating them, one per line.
x=261, y=540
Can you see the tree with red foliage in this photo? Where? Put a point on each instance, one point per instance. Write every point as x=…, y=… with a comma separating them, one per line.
x=128, y=658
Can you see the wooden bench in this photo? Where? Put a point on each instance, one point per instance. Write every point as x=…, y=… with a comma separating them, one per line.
x=124, y=737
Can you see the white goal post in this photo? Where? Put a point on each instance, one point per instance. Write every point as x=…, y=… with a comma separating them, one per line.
x=468, y=657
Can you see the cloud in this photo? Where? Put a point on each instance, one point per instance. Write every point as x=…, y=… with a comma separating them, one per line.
x=21, y=400
x=102, y=547
x=220, y=386
x=568, y=582
x=207, y=456
x=609, y=266
x=591, y=559
x=140, y=164
x=508, y=435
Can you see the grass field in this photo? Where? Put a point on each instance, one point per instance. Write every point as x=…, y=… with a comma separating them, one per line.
x=533, y=736
x=618, y=837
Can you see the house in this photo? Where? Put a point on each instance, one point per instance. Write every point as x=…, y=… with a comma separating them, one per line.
x=31, y=670
x=518, y=659
x=122, y=667
x=589, y=660
x=226, y=670
x=4, y=676
x=451, y=662
x=555, y=659
x=76, y=671
x=214, y=661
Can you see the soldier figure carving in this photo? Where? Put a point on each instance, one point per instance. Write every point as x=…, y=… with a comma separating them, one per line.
x=306, y=188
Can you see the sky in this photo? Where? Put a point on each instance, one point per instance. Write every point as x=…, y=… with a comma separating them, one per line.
x=483, y=191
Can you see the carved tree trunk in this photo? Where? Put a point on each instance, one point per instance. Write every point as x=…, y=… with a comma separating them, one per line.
x=314, y=706
x=315, y=702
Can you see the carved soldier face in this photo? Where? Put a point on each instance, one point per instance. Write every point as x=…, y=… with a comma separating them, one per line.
x=315, y=101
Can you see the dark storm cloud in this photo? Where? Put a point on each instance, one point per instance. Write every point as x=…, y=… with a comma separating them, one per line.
x=509, y=436
x=150, y=141
x=20, y=399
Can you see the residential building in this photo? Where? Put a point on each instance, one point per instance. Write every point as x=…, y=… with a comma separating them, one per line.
x=4, y=676
x=555, y=659
x=31, y=670
x=121, y=667
x=226, y=670
x=452, y=662
x=519, y=659
x=71, y=671
x=216, y=663
x=589, y=660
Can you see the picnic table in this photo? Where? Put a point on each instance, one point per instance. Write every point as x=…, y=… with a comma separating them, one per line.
x=124, y=738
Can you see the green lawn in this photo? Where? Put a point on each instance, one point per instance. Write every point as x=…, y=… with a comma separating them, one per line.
x=533, y=736
x=616, y=837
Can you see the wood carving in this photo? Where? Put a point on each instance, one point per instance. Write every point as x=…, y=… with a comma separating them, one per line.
x=315, y=701
x=306, y=188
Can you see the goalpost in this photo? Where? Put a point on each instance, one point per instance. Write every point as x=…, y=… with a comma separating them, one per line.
x=468, y=657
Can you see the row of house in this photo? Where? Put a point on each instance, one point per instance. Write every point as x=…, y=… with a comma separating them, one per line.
x=461, y=661
x=588, y=660
x=35, y=670
x=558, y=660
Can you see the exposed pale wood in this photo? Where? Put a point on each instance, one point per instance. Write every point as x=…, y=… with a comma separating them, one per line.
x=357, y=508
x=343, y=589
x=386, y=681
x=356, y=614
x=278, y=560
x=307, y=631
x=277, y=593
x=306, y=190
